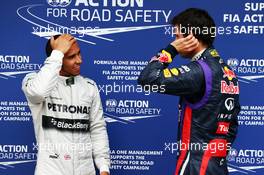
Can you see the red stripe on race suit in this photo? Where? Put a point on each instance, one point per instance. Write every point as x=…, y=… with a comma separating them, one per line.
x=216, y=148
x=186, y=133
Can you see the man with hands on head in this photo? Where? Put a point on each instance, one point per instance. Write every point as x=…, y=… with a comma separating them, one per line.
x=209, y=95
x=67, y=113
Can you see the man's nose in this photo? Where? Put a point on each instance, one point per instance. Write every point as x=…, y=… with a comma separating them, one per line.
x=78, y=59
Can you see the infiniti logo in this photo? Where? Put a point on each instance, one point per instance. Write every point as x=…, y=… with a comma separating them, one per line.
x=59, y=3
x=229, y=104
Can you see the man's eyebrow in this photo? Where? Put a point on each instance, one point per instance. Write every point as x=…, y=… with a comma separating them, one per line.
x=71, y=55
x=75, y=53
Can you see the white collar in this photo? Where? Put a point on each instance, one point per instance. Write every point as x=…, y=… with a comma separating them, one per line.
x=198, y=55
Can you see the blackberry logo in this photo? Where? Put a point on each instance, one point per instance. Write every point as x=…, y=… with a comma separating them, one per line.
x=59, y=3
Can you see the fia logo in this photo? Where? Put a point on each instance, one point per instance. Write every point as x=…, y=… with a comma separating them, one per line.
x=111, y=103
x=231, y=157
x=233, y=152
x=59, y=3
x=233, y=63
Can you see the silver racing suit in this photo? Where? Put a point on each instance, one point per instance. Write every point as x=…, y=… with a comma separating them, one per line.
x=68, y=121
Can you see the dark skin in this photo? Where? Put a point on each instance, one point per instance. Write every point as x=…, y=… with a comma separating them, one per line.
x=72, y=57
x=72, y=61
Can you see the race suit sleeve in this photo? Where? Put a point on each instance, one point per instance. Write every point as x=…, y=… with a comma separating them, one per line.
x=233, y=124
x=185, y=80
x=99, y=137
x=37, y=86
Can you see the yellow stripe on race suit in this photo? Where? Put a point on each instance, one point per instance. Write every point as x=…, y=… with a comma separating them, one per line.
x=174, y=71
x=167, y=73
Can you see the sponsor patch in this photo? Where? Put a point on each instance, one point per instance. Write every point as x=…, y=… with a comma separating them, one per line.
x=228, y=73
x=181, y=70
x=167, y=73
x=54, y=156
x=230, y=104
x=214, y=53
x=165, y=57
x=63, y=124
x=229, y=89
x=186, y=68
x=224, y=116
x=223, y=128
x=67, y=157
x=174, y=71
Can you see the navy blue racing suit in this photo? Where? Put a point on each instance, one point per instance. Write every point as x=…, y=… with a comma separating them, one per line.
x=209, y=105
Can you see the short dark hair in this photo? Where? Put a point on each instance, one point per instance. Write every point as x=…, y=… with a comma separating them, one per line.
x=196, y=18
x=48, y=46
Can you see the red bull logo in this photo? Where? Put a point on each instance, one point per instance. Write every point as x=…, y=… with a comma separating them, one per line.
x=165, y=57
x=229, y=88
x=229, y=73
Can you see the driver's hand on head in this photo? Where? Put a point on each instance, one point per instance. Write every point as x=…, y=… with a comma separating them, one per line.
x=104, y=173
x=186, y=44
x=63, y=43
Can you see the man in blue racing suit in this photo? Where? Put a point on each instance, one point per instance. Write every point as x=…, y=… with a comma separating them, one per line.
x=209, y=95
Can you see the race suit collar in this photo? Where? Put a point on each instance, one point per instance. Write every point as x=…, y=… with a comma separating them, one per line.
x=198, y=55
x=209, y=52
x=67, y=81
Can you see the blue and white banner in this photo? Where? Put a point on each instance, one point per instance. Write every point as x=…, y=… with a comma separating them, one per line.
x=117, y=38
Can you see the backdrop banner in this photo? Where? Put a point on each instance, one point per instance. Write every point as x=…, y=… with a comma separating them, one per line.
x=117, y=39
